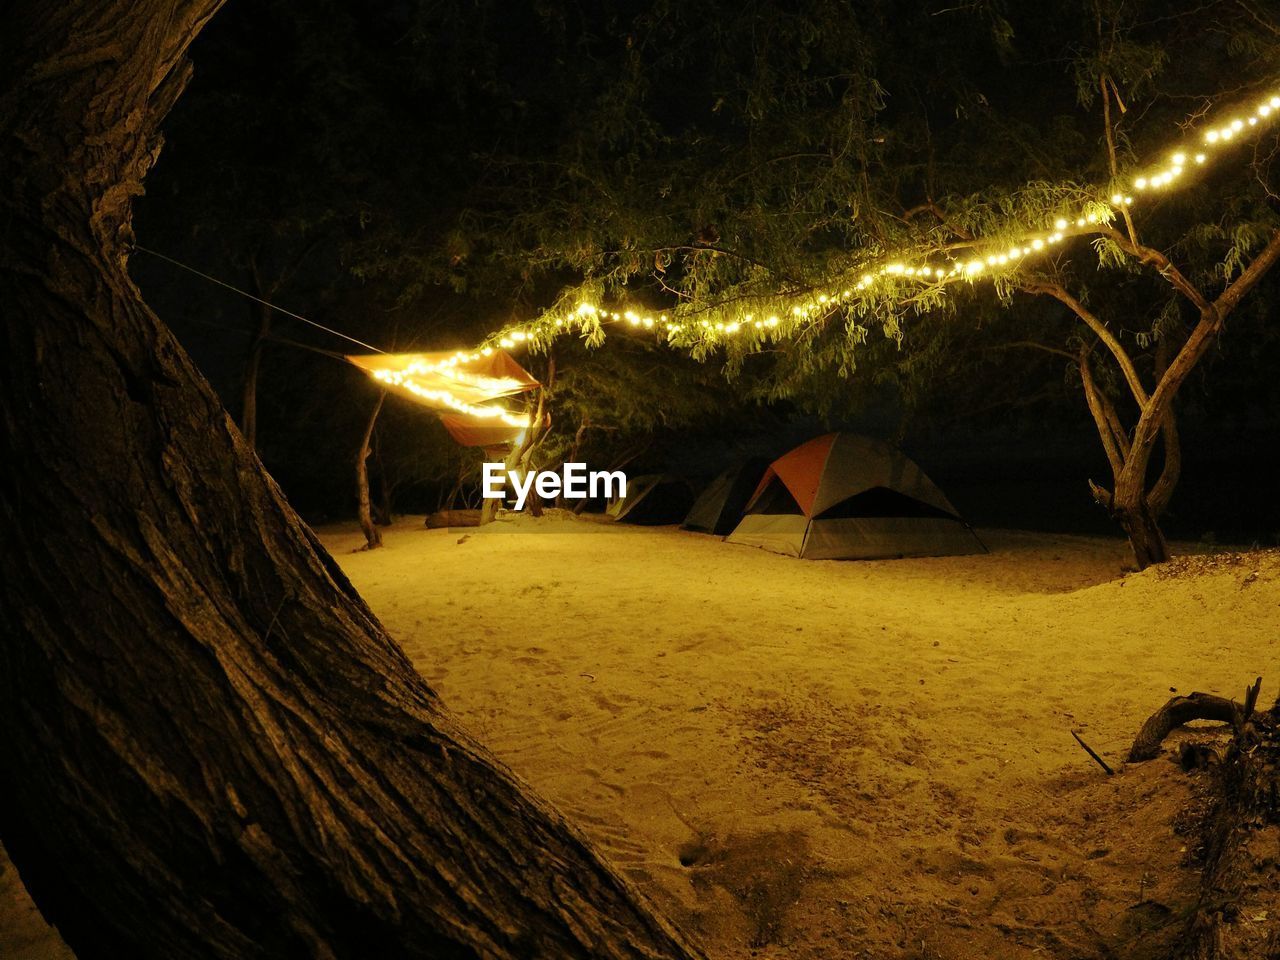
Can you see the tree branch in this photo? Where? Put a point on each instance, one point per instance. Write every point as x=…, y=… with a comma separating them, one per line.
x=1198, y=343
x=1033, y=345
x=1097, y=407
x=1160, y=495
x=1109, y=340
x=1155, y=258
x=1235, y=292
x=1106, y=82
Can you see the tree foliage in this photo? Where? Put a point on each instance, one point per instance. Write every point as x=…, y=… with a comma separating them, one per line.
x=714, y=160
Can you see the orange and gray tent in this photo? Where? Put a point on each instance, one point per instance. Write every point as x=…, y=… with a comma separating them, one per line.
x=847, y=497
x=461, y=386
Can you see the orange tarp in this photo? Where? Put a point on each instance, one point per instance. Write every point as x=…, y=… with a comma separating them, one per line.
x=470, y=380
x=469, y=431
x=450, y=383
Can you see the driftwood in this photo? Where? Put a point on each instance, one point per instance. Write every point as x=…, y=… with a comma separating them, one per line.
x=453, y=518
x=1177, y=712
x=1244, y=791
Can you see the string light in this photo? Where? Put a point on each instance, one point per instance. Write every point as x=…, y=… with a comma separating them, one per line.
x=929, y=272
x=1214, y=138
x=408, y=379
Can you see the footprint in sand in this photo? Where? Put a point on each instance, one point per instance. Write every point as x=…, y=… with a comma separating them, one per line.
x=605, y=703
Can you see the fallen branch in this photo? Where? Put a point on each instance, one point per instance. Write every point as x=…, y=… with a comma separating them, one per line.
x=1177, y=712
x=453, y=518
x=1244, y=786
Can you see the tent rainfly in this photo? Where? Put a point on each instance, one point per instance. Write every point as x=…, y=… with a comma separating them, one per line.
x=720, y=505
x=846, y=497
x=462, y=386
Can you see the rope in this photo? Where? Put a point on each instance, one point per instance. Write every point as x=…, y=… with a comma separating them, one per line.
x=265, y=303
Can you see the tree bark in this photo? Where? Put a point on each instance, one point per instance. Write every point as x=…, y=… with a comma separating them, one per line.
x=1138, y=520
x=212, y=749
x=364, y=505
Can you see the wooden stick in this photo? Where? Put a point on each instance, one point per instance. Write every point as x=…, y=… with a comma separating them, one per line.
x=1089, y=750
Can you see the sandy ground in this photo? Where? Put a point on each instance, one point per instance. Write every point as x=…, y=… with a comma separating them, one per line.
x=832, y=760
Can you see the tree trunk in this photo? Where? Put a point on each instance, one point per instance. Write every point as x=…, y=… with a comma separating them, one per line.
x=1162, y=491
x=212, y=749
x=372, y=535
x=1136, y=512
x=574, y=450
x=382, y=513
x=489, y=507
x=249, y=395
x=1138, y=520
x=450, y=501
x=532, y=436
x=489, y=510
x=1177, y=712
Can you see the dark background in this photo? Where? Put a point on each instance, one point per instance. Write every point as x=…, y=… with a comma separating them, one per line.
x=355, y=165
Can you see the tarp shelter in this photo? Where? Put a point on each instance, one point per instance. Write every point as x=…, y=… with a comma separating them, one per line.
x=842, y=496
x=462, y=386
x=720, y=505
x=652, y=499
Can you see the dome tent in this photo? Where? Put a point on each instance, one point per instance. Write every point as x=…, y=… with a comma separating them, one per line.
x=719, y=507
x=847, y=497
x=652, y=499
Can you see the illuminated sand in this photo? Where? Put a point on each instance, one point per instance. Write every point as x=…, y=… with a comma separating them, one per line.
x=886, y=743
x=891, y=739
